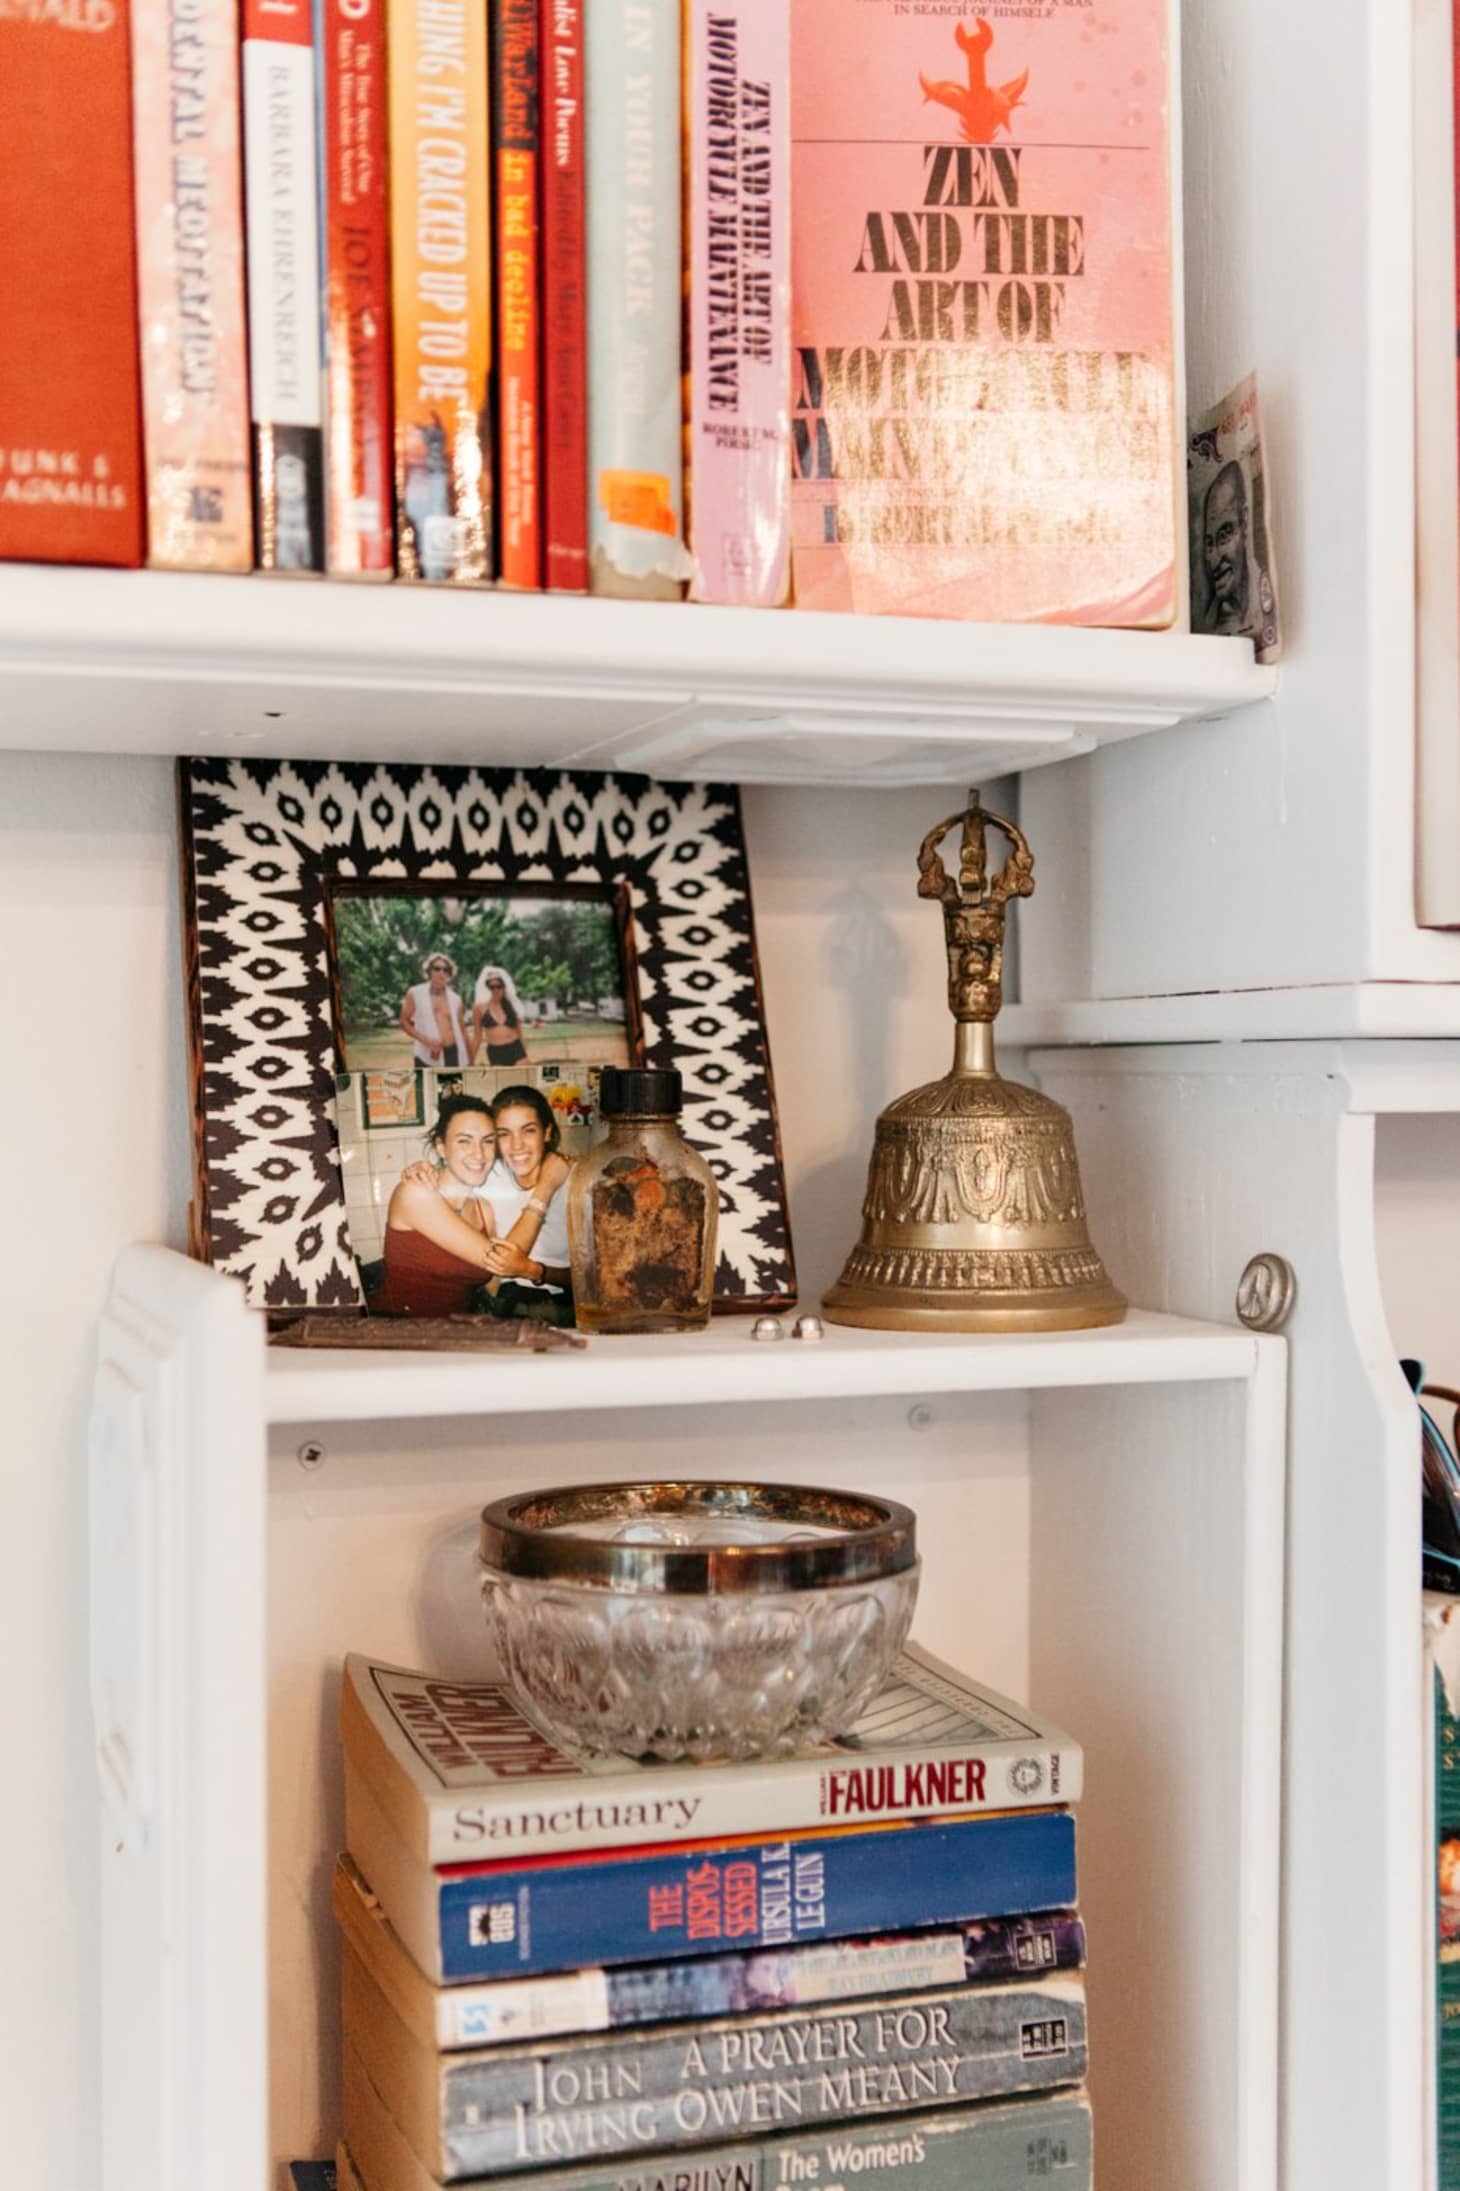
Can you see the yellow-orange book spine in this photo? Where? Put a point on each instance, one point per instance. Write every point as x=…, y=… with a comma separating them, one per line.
x=440, y=241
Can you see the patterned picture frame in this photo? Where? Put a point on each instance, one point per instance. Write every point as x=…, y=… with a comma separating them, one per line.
x=263, y=843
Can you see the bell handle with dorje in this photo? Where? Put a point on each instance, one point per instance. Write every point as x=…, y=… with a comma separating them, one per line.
x=974, y=907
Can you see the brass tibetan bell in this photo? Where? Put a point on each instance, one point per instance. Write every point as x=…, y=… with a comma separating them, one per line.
x=973, y=1218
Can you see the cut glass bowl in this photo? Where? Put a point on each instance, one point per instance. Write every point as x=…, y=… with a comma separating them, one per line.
x=705, y=1621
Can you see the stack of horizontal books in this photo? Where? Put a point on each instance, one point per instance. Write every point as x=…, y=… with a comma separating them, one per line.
x=708, y=1978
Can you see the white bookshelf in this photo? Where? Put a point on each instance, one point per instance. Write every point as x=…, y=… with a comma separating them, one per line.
x=1376, y=1011
x=153, y=662
x=258, y=1512
x=725, y=1367
x=1224, y=967
x=1344, y=1157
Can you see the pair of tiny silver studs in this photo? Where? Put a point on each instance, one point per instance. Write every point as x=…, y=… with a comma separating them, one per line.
x=771, y=1327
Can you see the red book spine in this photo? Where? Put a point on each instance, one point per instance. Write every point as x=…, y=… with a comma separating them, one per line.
x=359, y=452
x=515, y=132
x=70, y=396
x=564, y=347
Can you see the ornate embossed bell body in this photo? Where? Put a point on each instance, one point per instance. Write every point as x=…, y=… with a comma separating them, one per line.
x=973, y=1218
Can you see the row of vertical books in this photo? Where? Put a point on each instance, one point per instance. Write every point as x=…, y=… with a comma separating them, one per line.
x=864, y=308
x=566, y=1977
x=1440, y=1629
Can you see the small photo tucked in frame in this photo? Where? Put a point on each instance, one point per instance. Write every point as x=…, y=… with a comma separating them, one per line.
x=460, y=1208
x=390, y=1100
x=498, y=978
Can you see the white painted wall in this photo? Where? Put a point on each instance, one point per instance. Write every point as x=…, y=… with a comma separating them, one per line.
x=94, y=1133
x=95, y=1129
x=1416, y=1229
x=1276, y=847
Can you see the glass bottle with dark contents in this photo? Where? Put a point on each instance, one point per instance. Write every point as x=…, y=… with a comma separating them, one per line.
x=642, y=1212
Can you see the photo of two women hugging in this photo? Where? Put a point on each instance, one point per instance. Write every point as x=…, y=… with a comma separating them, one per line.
x=480, y=1225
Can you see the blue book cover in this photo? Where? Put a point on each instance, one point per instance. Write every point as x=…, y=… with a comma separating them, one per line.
x=652, y=1905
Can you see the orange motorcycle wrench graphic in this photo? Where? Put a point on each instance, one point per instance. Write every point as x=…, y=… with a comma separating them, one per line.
x=982, y=108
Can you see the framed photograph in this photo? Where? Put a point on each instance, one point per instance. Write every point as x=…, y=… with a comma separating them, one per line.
x=387, y=959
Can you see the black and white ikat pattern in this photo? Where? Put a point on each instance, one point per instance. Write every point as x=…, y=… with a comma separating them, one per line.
x=263, y=840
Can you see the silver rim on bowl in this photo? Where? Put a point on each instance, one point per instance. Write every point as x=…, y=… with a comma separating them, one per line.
x=536, y=1534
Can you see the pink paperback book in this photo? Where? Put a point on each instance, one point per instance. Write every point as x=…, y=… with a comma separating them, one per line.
x=982, y=306
x=737, y=80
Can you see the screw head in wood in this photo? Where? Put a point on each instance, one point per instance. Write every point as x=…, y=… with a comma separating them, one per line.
x=310, y=1454
x=1266, y=1291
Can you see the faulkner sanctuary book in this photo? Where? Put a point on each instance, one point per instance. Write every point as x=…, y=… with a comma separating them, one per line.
x=461, y=1775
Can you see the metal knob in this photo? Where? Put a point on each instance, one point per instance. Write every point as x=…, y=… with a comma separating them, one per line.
x=1266, y=1291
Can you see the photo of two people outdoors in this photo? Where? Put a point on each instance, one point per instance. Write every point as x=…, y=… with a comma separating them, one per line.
x=473, y=1031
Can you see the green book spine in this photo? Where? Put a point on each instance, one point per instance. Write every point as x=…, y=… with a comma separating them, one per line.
x=1447, y=1941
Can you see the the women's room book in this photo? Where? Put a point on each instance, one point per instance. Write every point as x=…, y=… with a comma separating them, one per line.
x=983, y=413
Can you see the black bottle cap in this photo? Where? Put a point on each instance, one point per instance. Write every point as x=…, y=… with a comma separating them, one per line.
x=625, y=1093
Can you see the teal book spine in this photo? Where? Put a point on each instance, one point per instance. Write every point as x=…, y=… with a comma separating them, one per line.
x=635, y=298
x=1447, y=1941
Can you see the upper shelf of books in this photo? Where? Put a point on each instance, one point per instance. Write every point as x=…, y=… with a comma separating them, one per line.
x=97, y=661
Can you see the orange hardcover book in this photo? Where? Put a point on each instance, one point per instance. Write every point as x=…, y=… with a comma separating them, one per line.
x=983, y=419
x=185, y=106
x=70, y=425
x=440, y=238
x=515, y=128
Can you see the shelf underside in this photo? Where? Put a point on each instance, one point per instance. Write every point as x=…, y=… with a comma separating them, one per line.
x=152, y=662
x=725, y=1365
